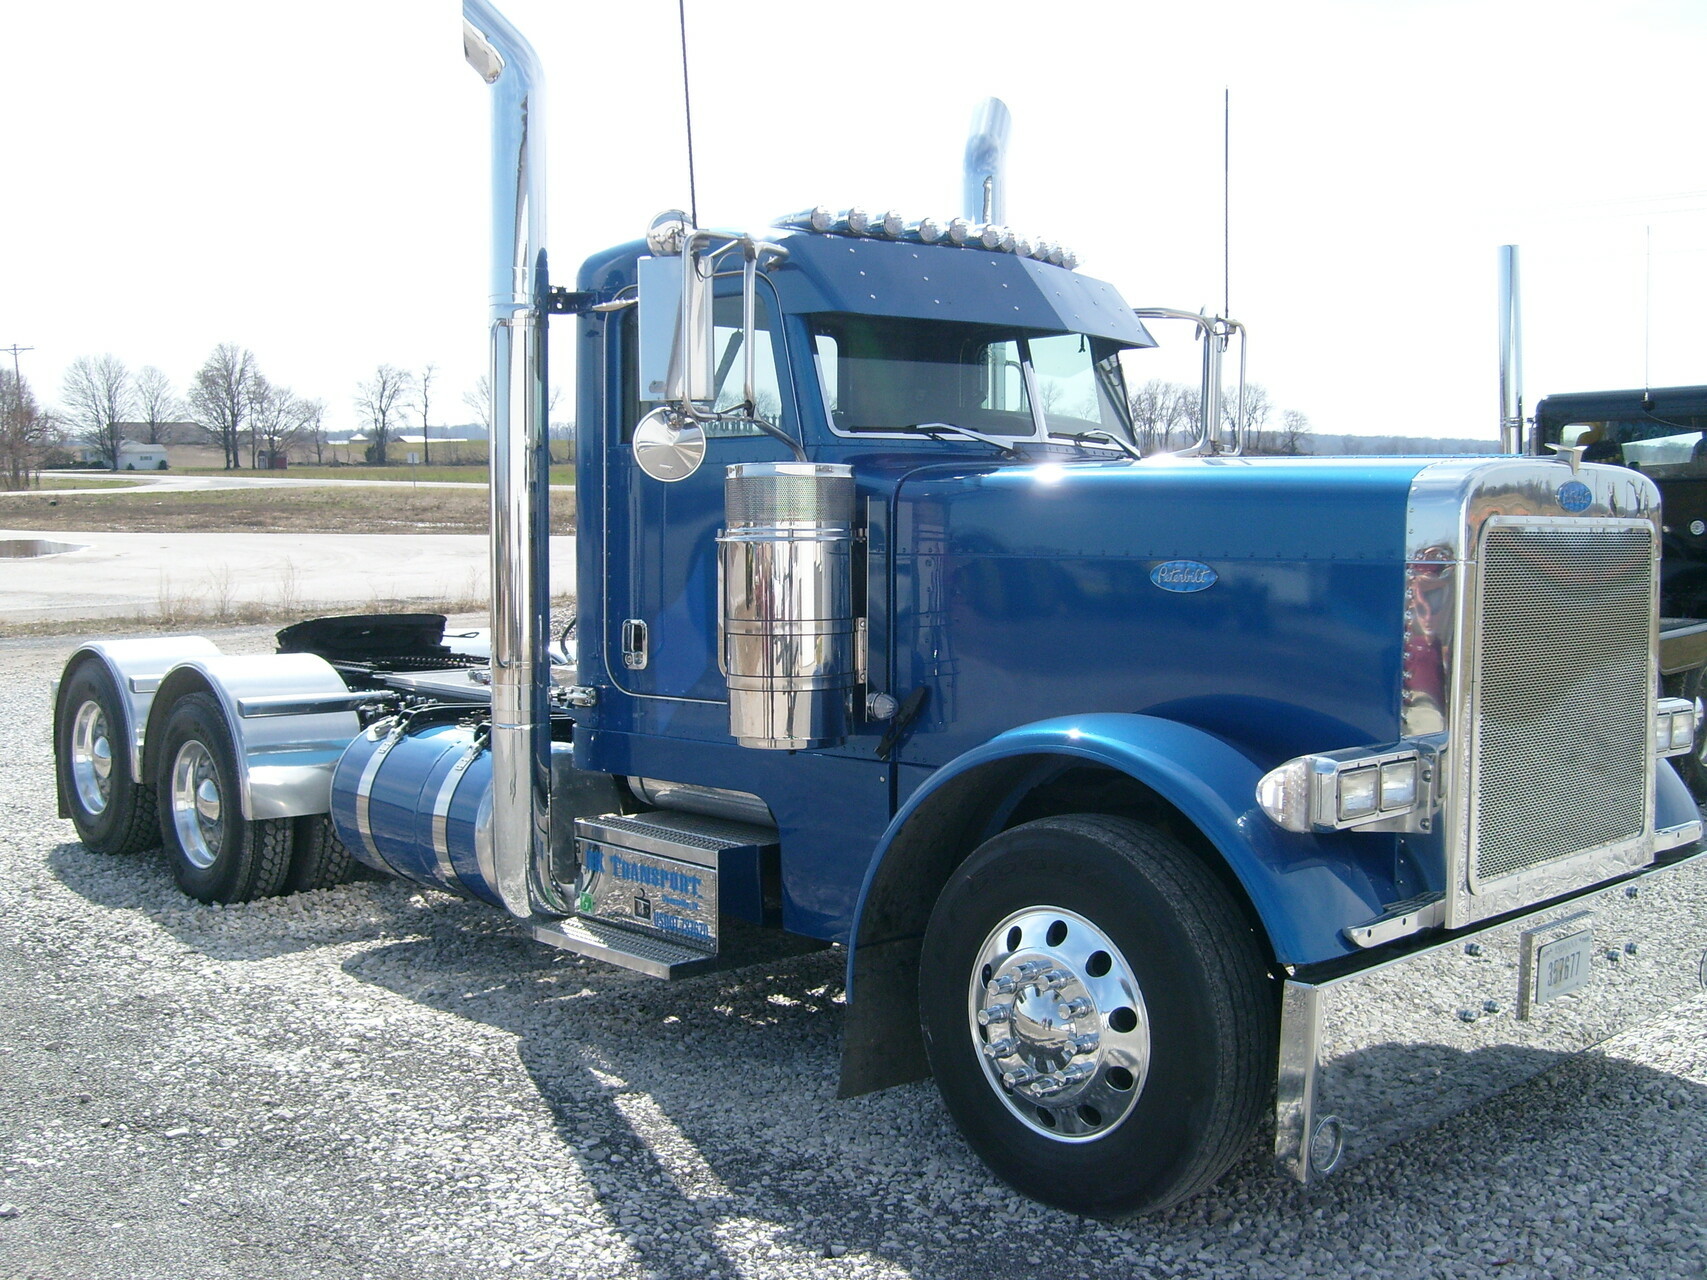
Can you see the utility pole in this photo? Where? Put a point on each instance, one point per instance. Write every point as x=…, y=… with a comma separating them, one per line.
x=17, y=412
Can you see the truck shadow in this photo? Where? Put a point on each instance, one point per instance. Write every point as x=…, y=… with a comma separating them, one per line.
x=700, y=1117
x=363, y=910
x=705, y=1112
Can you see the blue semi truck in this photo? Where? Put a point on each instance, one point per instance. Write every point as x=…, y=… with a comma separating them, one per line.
x=1147, y=796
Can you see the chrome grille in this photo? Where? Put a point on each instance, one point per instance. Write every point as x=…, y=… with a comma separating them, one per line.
x=1563, y=688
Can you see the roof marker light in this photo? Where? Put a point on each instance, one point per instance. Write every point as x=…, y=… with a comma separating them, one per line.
x=894, y=225
x=1040, y=249
x=859, y=221
x=822, y=218
x=991, y=234
x=1022, y=246
x=959, y=230
x=930, y=230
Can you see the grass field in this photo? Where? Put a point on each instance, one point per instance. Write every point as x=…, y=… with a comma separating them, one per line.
x=328, y=509
x=561, y=473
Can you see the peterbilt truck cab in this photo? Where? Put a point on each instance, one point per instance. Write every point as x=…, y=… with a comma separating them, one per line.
x=1146, y=796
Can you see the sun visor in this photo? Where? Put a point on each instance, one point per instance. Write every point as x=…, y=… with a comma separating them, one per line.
x=827, y=273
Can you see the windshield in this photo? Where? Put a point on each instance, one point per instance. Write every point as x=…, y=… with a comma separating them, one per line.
x=1668, y=444
x=886, y=373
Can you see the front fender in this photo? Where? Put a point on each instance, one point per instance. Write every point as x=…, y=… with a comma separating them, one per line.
x=1305, y=889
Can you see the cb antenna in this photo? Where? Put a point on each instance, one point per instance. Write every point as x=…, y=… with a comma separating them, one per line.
x=1226, y=201
x=687, y=110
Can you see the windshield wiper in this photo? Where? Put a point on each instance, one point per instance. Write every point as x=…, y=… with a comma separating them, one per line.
x=932, y=429
x=1079, y=437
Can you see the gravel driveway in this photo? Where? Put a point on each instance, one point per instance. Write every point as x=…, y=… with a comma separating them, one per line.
x=381, y=1081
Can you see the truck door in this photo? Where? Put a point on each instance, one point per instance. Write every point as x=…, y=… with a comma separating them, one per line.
x=662, y=549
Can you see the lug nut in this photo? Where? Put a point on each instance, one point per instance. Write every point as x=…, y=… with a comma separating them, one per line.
x=1467, y=1015
x=1629, y=948
x=1614, y=954
x=1000, y=1048
x=1490, y=1006
x=1055, y=979
x=1018, y=1076
x=1472, y=948
x=1048, y=1084
x=1077, y=1007
x=1078, y=1071
x=995, y=1013
x=1086, y=1043
x=1003, y=985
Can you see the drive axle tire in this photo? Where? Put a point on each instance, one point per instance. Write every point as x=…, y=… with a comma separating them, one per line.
x=111, y=811
x=320, y=860
x=217, y=855
x=1099, y=1016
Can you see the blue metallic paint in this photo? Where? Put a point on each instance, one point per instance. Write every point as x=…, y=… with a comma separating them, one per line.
x=1017, y=593
x=1305, y=889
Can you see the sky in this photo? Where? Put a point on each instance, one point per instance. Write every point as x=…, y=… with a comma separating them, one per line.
x=308, y=179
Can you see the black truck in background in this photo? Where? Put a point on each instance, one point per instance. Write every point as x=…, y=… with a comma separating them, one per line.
x=1662, y=432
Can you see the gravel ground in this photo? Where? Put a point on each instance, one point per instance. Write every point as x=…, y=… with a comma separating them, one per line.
x=376, y=1081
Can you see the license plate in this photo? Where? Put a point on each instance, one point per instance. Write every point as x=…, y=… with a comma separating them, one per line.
x=1556, y=961
x=1561, y=966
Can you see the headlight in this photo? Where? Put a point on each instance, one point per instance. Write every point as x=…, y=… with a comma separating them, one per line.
x=1674, y=726
x=1337, y=790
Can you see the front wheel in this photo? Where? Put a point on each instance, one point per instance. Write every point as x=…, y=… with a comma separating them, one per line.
x=1098, y=1014
x=217, y=855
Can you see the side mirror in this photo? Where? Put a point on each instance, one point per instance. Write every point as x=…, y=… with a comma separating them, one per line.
x=668, y=445
x=675, y=328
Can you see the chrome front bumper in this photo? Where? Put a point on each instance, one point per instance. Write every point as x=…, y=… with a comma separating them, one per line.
x=1372, y=1056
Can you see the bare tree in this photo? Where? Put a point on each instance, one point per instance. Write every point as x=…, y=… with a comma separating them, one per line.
x=425, y=402
x=1258, y=410
x=219, y=397
x=312, y=416
x=1294, y=427
x=380, y=400
x=26, y=432
x=480, y=400
x=156, y=406
x=276, y=417
x=97, y=397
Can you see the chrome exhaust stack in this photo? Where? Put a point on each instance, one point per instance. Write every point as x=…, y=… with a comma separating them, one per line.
x=520, y=849
x=984, y=199
x=1511, y=354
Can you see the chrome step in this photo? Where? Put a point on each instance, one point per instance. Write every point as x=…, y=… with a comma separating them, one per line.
x=743, y=944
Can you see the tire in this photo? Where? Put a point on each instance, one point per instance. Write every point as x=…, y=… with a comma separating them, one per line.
x=1123, y=980
x=111, y=811
x=216, y=855
x=319, y=860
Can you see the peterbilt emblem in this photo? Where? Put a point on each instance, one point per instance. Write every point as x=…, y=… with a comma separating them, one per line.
x=1574, y=495
x=1183, y=575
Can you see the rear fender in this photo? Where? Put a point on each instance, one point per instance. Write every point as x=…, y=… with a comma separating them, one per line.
x=290, y=716
x=136, y=668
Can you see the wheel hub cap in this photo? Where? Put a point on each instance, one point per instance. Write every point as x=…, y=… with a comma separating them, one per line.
x=1059, y=1021
x=197, y=807
x=91, y=758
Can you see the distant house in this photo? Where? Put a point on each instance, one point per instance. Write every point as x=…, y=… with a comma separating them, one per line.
x=132, y=456
x=141, y=457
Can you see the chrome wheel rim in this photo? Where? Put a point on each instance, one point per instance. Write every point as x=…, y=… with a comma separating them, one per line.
x=1059, y=1023
x=198, y=809
x=91, y=758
